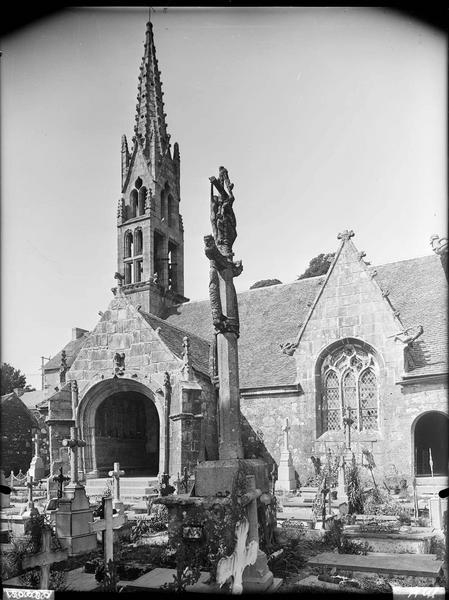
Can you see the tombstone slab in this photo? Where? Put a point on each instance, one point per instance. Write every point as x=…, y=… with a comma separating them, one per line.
x=72, y=521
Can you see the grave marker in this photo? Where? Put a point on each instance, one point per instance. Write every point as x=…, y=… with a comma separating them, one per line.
x=107, y=525
x=116, y=474
x=44, y=559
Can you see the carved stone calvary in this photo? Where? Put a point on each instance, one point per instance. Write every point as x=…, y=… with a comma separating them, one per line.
x=44, y=559
x=243, y=556
x=225, y=317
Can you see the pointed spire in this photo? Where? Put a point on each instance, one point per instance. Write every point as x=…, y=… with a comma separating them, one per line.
x=126, y=157
x=151, y=127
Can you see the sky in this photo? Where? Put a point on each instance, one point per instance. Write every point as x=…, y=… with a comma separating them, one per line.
x=326, y=119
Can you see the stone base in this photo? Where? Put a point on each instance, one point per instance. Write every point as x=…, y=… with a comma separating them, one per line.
x=72, y=521
x=37, y=470
x=257, y=577
x=218, y=476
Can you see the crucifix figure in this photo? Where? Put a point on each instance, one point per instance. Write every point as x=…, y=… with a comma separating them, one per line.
x=348, y=421
x=60, y=479
x=44, y=559
x=243, y=555
x=73, y=444
x=116, y=474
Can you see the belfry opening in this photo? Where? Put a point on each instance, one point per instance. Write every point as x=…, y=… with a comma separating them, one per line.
x=127, y=431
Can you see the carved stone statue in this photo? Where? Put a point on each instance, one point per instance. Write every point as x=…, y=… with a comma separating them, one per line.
x=218, y=248
x=119, y=363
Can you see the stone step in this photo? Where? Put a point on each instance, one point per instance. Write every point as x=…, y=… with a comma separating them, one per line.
x=130, y=487
x=415, y=565
x=413, y=540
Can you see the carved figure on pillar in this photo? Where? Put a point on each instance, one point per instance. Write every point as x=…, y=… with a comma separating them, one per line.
x=224, y=308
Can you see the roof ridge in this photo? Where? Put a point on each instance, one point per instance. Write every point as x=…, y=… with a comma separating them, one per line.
x=165, y=322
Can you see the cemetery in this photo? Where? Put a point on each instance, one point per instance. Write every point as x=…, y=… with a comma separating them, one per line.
x=235, y=524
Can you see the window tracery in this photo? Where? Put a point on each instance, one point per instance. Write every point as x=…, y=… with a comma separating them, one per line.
x=349, y=380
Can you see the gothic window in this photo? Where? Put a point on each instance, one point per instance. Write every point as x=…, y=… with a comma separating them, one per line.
x=133, y=199
x=368, y=399
x=128, y=273
x=164, y=205
x=138, y=270
x=138, y=239
x=349, y=383
x=172, y=266
x=171, y=211
x=141, y=200
x=128, y=244
x=332, y=400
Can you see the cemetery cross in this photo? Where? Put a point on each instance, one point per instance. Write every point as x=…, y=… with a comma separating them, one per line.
x=107, y=524
x=44, y=559
x=73, y=443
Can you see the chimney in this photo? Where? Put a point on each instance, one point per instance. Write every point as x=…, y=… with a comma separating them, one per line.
x=77, y=332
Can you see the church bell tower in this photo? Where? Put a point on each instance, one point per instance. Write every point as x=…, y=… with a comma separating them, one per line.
x=150, y=234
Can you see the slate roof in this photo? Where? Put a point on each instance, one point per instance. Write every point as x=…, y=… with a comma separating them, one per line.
x=418, y=289
x=173, y=337
x=272, y=315
x=269, y=317
x=71, y=349
x=32, y=399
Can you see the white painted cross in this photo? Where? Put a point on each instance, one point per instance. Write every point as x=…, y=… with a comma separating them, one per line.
x=44, y=559
x=116, y=474
x=243, y=555
x=107, y=525
x=30, y=510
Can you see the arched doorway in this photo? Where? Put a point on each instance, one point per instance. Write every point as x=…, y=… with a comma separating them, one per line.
x=431, y=440
x=127, y=431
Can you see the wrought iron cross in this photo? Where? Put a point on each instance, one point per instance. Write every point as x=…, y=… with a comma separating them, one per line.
x=60, y=479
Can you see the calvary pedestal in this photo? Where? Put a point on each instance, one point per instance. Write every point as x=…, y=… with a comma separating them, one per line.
x=74, y=514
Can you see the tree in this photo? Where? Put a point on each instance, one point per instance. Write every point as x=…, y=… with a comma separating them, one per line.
x=11, y=378
x=318, y=265
x=264, y=283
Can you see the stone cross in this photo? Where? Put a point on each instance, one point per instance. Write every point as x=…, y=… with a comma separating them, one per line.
x=116, y=474
x=286, y=430
x=60, y=479
x=243, y=555
x=30, y=509
x=44, y=559
x=107, y=525
x=73, y=444
x=225, y=317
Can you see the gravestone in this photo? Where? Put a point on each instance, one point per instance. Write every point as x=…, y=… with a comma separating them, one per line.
x=37, y=469
x=107, y=525
x=74, y=514
x=286, y=481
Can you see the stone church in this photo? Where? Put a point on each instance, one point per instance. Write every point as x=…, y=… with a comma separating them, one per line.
x=361, y=341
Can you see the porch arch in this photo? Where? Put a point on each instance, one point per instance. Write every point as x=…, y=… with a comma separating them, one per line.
x=430, y=433
x=138, y=444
